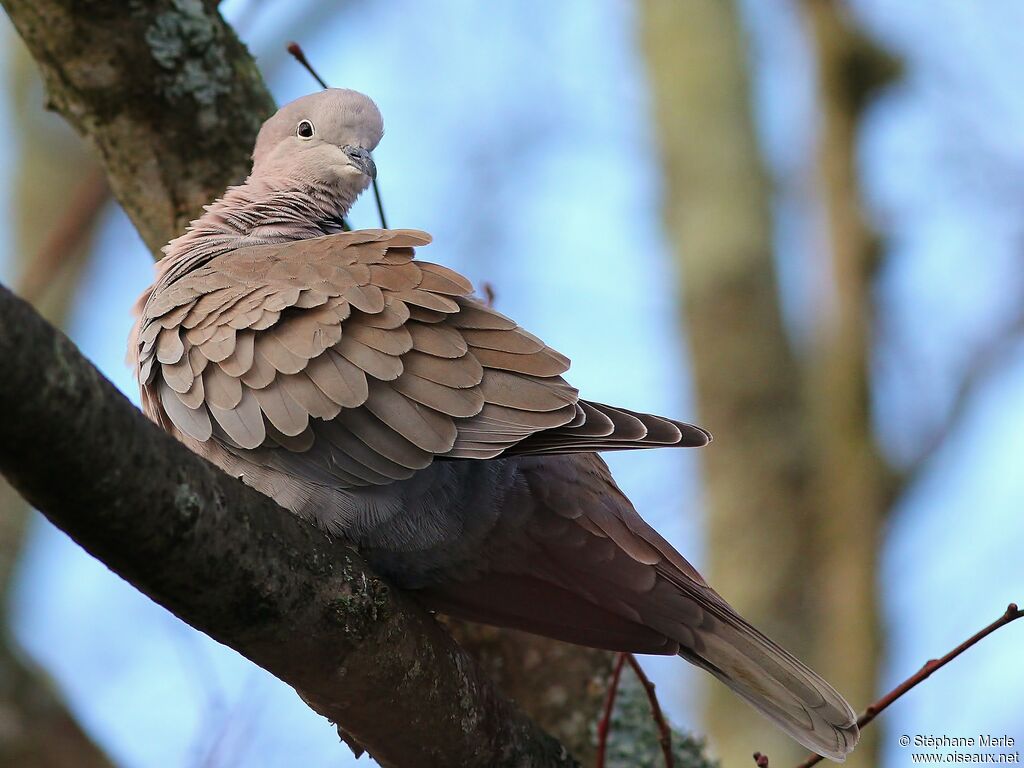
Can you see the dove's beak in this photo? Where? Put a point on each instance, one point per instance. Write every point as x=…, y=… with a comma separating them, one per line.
x=360, y=159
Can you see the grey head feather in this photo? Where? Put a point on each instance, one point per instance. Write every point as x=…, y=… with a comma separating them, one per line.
x=322, y=138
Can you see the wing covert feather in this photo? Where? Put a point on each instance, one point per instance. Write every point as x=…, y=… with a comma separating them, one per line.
x=372, y=363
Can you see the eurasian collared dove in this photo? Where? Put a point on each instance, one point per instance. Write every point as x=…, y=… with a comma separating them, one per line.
x=371, y=393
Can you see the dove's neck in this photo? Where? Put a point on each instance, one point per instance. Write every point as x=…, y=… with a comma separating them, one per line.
x=258, y=212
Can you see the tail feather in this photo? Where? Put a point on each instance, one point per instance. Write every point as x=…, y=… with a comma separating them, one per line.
x=580, y=535
x=774, y=682
x=600, y=427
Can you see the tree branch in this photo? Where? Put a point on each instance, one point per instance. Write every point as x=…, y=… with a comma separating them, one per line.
x=1011, y=614
x=66, y=240
x=664, y=731
x=172, y=101
x=38, y=729
x=164, y=91
x=985, y=363
x=233, y=564
x=605, y=724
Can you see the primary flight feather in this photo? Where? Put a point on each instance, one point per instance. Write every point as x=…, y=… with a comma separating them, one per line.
x=371, y=393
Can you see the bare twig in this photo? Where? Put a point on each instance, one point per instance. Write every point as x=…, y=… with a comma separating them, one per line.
x=380, y=204
x=1011, y=614
x=235, y=718
x=609, y=704
x=664, y=732
x=66, y=237
x=489, y=294
x=604, y=726
x=300, y=56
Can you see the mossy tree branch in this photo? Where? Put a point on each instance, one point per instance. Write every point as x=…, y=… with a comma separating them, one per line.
x=233, y=564
x=172, y=101
x=164, y=91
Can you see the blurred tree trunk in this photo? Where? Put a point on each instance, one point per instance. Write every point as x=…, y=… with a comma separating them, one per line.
x=36, y=729
x=717, y=211
x=792, y=482
x=852, y=480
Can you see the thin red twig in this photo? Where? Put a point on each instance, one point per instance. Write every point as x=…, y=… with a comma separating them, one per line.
x=489, y=295
x=665, y=733
x=604, y=726
x=1011, y=614
x=300, y=56
x=606, y=716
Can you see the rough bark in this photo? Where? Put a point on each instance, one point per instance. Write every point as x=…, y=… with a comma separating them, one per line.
x=561, y=686
x=163, y=89
x=235, y=565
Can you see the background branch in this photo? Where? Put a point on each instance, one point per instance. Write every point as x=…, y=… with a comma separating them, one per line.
x=50, y=166
x=1011, y=614
x=66, y=240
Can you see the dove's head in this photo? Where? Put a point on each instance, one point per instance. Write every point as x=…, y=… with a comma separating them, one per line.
x=324, y=138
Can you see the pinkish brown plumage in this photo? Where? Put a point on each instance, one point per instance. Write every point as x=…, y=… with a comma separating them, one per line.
x=369, y=392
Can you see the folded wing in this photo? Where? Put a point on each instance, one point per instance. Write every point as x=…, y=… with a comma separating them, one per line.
x=368, y=363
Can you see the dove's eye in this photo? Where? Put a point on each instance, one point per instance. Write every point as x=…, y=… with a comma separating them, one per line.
x=305, y=130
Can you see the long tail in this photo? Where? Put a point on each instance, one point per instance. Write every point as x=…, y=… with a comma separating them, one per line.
x=774, y=682
x=587, y=569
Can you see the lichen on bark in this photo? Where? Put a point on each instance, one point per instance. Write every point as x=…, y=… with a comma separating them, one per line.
x=163, y=89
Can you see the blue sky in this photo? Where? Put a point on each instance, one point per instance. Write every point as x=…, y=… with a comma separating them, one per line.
x=534, y=140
